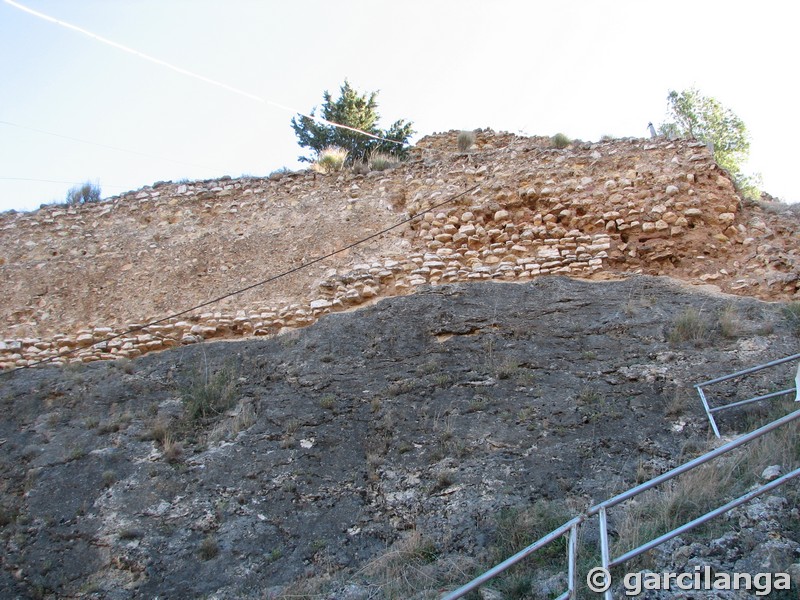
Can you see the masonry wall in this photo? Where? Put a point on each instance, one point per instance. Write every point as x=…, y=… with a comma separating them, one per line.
x=73, y=277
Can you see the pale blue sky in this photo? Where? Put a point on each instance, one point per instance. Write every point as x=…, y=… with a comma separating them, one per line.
x=585, y=68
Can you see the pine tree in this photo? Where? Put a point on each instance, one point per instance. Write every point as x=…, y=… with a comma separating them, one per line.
x=358, y=111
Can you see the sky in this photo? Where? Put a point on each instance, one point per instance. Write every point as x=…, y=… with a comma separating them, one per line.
x=74, y=109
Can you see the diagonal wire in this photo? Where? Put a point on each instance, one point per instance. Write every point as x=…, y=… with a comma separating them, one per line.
x=122, y=187
x=257, y=284
x=187, y=72
x=116, y=148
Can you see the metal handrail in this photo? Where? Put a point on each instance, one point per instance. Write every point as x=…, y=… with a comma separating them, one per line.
x=570, y=527
x=710, y=411
x=601, y=510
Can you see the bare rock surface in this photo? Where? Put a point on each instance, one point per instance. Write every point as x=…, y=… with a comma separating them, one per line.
x=425, y=415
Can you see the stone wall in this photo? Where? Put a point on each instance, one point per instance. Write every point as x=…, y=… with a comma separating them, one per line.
x=76, y=280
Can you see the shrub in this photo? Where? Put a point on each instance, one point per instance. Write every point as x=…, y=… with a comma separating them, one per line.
x=729, y=322
x=82, y=194
x=518, y=528
x=207, y=396
x=279, y=173
x=172, y=450
x=698, y=491
x=792, y=312
x=465, y=140
x=360, y=168
x=689, y=327
x=560, y=141
x=208, y=549
x=330, y=160
x=407, y=568
x=380, y=161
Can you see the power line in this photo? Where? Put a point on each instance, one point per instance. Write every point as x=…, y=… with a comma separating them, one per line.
x=254, y=285
x=122, y=187
x=187, y=72
x=116, y=148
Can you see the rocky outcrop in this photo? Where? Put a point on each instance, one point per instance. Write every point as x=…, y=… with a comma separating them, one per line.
x=404, y=430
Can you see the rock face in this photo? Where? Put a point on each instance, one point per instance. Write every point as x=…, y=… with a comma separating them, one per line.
x=422, y=415
x=78, y=283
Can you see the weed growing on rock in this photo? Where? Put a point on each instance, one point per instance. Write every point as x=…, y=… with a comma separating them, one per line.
x=477, y=404
x=208, y=548
x=380, y=161
x=711, y=485
x=560, y=141
x=408, y=568
x=444, y=480
x=517, y=528
x=507, y=369
x=429, y=368
x=729, y=323
x=792, y=313
x=681, y=401
x=442, y=380
x=243, y=418
x=172, y=449
x=207, y=396
x=330, y=160
x=689, y=327
x=466, y=139
x=402, y=386
x=76, y=453
x=128, y=534
x=274, y=555
x=109, y=477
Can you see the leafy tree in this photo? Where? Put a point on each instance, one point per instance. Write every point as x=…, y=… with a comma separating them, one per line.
x=706, y=119
x=358, y=111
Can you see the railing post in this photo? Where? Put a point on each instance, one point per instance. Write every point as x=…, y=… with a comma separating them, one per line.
x=708, y=410
x=774, y=363
x=572, y=559
x=604, y=551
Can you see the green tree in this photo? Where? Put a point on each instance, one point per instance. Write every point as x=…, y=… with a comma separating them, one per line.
x=706, y=119
x=357, y=111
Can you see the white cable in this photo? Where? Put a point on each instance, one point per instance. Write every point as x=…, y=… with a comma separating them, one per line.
x=187, y=72
x=74, y=139
x=122, y=187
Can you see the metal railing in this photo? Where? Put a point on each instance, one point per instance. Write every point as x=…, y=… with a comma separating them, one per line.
x=710, y=411
x=608, y=562
x=571, y=527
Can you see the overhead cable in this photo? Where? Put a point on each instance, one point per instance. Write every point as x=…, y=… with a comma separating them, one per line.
x=116, y=148
x=122, y=187
x=187, y=72
x=305, y=265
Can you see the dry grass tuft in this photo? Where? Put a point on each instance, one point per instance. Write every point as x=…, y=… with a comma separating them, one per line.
x=466, y=139
x=330, y=160
x=690, y=326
